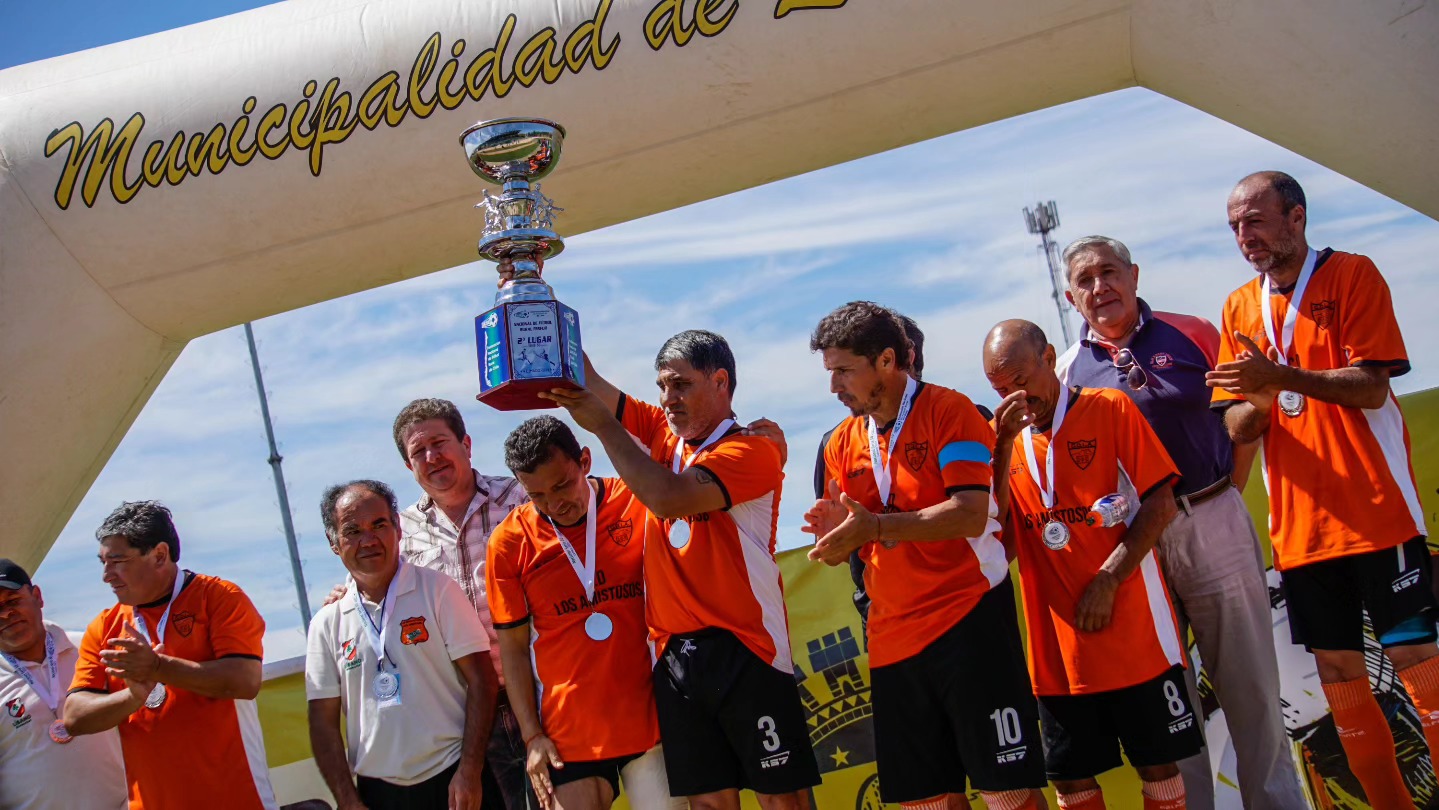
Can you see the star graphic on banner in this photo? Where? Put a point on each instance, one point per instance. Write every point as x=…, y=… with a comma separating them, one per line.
x=840, y=757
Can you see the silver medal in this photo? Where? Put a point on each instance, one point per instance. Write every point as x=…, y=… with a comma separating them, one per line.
x=1056, y=535
x=1291, y=403
x=386, y=686
x=679, y=534
x=58, y=732
x=599, y=626
x=156, y=698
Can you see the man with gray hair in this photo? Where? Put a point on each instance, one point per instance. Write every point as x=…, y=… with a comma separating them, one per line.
x=402, y=662
x=1210, y=552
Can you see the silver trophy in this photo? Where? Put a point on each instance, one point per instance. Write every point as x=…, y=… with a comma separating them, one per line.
x=529, y=342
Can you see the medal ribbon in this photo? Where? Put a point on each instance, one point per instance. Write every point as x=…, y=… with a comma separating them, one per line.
x=375, y=633
x=1047, y=495
x=879, y=464
x=586, y=570
x=1292, y=316
x=680, y=463
x=164, y=617
x=51, y=696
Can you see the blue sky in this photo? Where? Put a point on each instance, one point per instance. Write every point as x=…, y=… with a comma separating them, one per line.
x=760, y=266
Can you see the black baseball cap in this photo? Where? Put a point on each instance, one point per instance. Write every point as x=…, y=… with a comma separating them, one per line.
x=12, y=576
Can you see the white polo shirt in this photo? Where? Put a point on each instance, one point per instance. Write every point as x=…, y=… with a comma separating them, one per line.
x=430, y=625
x=36, y=773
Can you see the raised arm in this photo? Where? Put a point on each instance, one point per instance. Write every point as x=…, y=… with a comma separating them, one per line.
x=666, y=494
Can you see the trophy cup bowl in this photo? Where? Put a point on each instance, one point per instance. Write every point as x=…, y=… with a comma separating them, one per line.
x=529, y=342
x=513, y=147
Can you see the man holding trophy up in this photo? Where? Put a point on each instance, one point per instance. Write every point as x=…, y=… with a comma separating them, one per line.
x=729, y=710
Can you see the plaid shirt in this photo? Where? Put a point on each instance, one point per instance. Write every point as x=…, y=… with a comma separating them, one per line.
x=431, y=540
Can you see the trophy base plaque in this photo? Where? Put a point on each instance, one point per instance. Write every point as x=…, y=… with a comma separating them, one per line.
x=527, y=347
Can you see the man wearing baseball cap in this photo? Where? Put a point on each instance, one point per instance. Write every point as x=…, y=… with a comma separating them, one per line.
x=37, y=753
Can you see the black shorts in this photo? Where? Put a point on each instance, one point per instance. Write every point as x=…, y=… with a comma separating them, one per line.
x=962, y=707
x=729, y=720
x=606, y=769
x=1153, y=721
x=1326, y=600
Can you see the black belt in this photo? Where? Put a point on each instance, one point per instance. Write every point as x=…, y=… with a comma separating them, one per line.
x=1193, y=499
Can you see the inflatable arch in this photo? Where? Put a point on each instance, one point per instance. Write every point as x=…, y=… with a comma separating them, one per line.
x=156, y=190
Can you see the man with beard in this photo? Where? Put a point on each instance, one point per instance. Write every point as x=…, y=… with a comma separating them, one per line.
x=1308, y=349
x=566, y=591
x=909, y=485
x=729, y=709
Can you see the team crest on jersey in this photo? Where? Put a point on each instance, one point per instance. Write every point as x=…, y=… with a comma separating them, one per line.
x=621, y=531
x=1082, y=452
x=16, y=709
x=348, y=650
x=1015, y=469
x=915, y=453
x=1162, y=360
x=184, y=623
x=1323, y=313
x=413, y=631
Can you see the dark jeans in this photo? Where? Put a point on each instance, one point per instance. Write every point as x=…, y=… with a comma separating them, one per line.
x=431, y=794
x=506, y=785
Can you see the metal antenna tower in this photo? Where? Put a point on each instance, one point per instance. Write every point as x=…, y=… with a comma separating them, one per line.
x=280, y=492
x=1042, y=221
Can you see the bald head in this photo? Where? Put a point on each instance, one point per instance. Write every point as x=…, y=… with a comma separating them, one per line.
x=1014, y=340
x=1018, y=358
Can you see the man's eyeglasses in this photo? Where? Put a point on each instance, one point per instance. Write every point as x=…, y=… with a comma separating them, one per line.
x=1133, y=373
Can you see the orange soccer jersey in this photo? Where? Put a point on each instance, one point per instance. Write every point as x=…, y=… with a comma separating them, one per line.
x=1104, y=447
x=726, y=576
x=584, y=684
x=193, y=748
x=919, y=590
x=1340, y=480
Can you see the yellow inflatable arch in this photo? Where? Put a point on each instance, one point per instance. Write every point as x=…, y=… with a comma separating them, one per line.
x=156, y=190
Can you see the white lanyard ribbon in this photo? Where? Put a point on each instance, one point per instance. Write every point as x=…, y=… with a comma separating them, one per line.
x=51, y=696
x=1047, y=494
x=374, y=631
x=878, y=463
x=1291, y=317
x=164, y=617
x=680, y=463
x=586, y=570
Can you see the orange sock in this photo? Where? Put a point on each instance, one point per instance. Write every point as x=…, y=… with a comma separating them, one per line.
x=1368, y=744
x=1083, y=800
x=1166, y=794
x=1422, y=683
